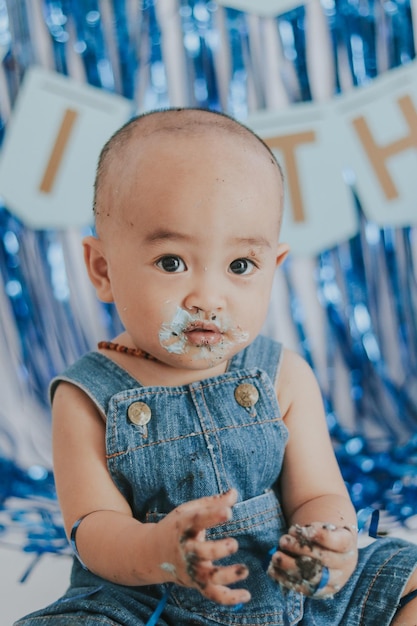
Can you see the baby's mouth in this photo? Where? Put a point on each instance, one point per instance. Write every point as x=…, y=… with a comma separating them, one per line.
x=200, y=333
x=212, y=339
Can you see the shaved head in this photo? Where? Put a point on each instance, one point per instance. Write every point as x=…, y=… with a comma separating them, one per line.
x=176, y=122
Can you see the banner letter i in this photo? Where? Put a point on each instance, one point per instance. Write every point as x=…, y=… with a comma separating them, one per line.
x=58, y=151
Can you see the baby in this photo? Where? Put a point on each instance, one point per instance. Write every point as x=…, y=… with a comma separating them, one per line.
x=193, y=464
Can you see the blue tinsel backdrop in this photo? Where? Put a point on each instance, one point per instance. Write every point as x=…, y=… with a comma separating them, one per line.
x=352, y=311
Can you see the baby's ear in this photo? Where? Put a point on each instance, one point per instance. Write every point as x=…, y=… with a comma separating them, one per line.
x=282, y=253
x=97, y=268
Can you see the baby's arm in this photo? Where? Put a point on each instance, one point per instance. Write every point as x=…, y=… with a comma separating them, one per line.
x=320, y=515
x=109, y=540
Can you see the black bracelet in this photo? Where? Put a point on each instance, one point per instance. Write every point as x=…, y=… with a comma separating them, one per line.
x=73, y=543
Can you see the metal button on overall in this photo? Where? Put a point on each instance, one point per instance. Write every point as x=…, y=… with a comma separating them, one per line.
x=139, y=413
x=246, y=395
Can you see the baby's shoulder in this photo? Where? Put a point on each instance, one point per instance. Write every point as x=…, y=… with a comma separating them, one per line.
x=295, y=378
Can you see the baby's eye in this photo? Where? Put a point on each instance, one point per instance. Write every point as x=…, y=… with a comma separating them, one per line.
x=171, y=263
x=242, y=266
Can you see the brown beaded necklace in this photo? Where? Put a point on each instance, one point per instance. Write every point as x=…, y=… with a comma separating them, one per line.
x=118, y=347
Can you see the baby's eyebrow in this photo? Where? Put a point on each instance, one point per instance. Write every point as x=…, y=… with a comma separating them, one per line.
x=255, y=242
x=164, y=234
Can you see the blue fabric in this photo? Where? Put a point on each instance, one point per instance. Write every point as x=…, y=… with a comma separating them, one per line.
x=200, y=441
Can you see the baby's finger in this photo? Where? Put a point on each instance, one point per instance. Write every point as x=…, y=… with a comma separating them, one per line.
x=206, y=512
x=226, y=596
x=209, y=578
x=211, y=550
x=291, y=546
x=301, y=573
x=203, y=572
x=336, y=538
x=230, y=574
x=305, y=575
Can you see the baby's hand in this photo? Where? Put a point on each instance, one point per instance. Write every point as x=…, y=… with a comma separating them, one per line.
x=189, y=557
x=316, y=560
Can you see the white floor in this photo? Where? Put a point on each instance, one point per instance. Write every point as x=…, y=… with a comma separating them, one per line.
x=45, y=584
x=47, y=581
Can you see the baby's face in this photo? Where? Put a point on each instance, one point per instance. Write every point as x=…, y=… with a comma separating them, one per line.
x=193, y=248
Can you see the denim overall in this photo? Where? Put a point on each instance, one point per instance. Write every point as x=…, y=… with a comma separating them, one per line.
x=169, y=445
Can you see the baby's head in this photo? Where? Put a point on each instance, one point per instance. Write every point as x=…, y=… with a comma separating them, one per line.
x=129, y=144
x=188, y=207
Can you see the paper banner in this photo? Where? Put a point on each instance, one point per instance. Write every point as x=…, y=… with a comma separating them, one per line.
x=49, y=156
x=378, y=126
x=371, y=132
x=318, y=205
x=59, y=126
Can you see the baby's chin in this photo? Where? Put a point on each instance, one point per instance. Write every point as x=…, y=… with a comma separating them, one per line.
x=197, y=358
x=210, y=360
